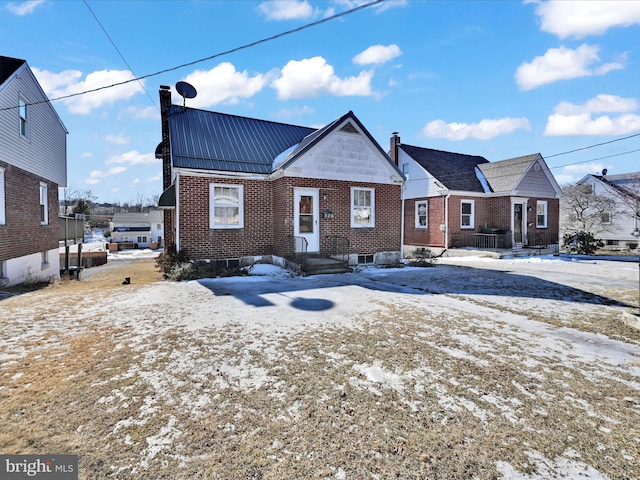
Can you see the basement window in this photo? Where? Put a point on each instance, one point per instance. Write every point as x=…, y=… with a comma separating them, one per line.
x=365, y=258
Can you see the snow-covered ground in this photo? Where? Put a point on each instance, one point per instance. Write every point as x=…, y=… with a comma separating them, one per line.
x=518, y=355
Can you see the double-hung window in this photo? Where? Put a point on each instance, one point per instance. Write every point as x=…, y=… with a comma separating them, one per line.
x=3, y=218
x=422, y=214
x=541, y=214
x=362, y=207
x=24, y=125
x=44, y=204
x=226, y=206
x=467, y=214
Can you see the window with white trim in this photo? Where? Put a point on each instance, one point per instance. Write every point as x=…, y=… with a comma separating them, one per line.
x=605, y=217
x=44, y=204
x=363, y=207
x=24, y=124
x=226, y=206
x=3, y=218
x=405, y=170
x=422, y=214
x=467, y=213
x=541, y=214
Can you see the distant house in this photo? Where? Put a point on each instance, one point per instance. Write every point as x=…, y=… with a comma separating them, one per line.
x=142, y=229
x=239, y=188
x=618, y=226
x=454, y=200
x=33, y=164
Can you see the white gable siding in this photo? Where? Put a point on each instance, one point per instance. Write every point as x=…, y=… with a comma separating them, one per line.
x=420, y=183
x=535, y=184
x=44, y=152
x=345, y=156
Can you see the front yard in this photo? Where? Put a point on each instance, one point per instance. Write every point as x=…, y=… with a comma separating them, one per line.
x=472, y=369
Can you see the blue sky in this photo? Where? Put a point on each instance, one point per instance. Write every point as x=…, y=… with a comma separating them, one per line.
x=499, y=79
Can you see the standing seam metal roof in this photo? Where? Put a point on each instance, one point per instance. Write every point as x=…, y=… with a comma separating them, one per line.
x=215, y=141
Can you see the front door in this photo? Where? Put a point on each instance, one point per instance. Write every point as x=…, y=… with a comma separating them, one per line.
x=306, y=216
x=518, y=223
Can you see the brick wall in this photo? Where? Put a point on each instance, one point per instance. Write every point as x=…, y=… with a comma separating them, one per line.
x=269, y=217
x=22, y=234
x=431, y=236
x=200, y=241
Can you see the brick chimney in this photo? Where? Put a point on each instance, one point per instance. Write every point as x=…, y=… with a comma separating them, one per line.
x=395, y=143
x=165, y=103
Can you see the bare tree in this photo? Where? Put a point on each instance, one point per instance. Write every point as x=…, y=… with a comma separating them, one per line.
x=584, y=211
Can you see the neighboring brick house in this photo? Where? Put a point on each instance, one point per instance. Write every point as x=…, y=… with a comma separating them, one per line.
x=33, y=164
x=454, y=200
x=238, y=188
x=142, y=229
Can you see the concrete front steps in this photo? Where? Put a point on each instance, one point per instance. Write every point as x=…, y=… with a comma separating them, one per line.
x=318, y=265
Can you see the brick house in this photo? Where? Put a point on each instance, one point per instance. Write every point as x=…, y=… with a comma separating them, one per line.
x=452, y=200
x=238, y=188
x=33, y=164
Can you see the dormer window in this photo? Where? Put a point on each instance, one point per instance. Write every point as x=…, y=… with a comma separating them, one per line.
x=24, y=125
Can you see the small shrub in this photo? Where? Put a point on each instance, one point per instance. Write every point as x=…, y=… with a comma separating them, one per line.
x=423, y=258
x=197, y=269
x=632, y=245
x=583, y=243
x=169, y=258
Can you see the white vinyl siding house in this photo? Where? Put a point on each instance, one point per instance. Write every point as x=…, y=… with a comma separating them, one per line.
x=33, y=165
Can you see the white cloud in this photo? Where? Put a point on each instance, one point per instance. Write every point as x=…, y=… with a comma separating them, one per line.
x=312, y=77
x=377, y=54
x=571, y=119
x=294, y=112
x=483, y=130
x=69, y=82
x=223, y=84
x=134, y=157
x=286, y=9
x=117, y=139
x=563, y=64
x=573, y=173
x=579, y=19
x=155, y=178
x=97, y=175
x=24, y=8
x=380, y=7
x=136, y=113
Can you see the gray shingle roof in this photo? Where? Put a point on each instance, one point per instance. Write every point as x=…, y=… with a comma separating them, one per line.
x=215, y=141
x=456, y=171
x=153, y=216
x=504, y=175
x=8, y=65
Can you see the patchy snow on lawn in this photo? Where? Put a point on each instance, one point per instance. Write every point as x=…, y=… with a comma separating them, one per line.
x=468, y=349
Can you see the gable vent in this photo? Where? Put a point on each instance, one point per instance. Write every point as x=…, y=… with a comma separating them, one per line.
x=348, y=128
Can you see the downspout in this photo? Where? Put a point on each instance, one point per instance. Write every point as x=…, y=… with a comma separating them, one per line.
x=177, y=210
x=446, y=221
x=402, y=188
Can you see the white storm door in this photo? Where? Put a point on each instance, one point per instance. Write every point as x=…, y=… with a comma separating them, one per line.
x=306, y=216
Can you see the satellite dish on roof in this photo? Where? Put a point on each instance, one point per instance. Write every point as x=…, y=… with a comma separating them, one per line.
x=186, y=90
x=604, y=172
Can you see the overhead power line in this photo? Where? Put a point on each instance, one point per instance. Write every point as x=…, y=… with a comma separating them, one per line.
x=119, y=52
x=592, y=146
x=211, y=57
